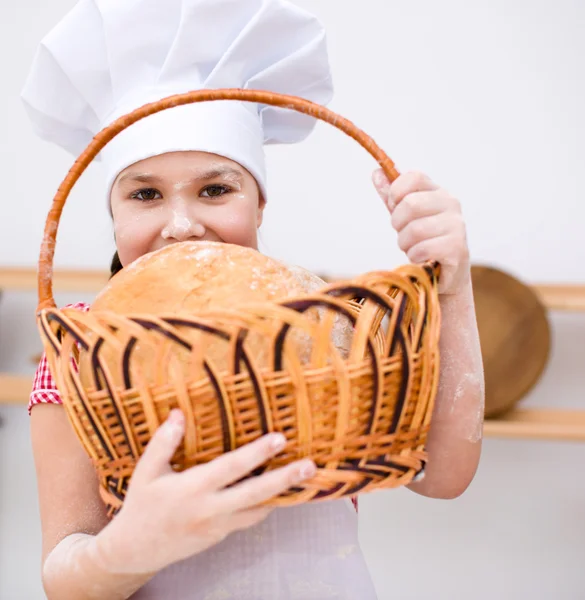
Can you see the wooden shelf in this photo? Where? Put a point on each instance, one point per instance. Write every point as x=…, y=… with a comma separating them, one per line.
x=562, y=297
x=538, y=424
x=527, y=423
x=25, y=279
x=15, y=389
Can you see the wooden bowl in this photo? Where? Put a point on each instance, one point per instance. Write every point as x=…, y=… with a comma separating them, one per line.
x=515, y=337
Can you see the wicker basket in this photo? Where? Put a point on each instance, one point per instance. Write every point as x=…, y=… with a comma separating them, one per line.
x=363, y=417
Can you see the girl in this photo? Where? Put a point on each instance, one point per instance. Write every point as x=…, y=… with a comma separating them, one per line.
x=197, y=173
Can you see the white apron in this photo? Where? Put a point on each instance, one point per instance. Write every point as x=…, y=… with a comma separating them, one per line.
x=307, y=552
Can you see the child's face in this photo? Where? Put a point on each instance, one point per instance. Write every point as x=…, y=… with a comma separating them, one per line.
x=183, y=196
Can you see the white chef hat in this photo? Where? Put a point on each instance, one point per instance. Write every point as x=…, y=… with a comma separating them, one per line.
x=109, y=57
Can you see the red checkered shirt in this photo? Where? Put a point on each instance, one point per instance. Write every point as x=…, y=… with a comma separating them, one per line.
x=45, y=391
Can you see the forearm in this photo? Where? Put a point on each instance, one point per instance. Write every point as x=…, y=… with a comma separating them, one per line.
x=454, y=441
x=76, y=570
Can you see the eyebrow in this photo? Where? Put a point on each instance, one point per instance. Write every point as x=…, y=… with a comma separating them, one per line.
x=198, y=175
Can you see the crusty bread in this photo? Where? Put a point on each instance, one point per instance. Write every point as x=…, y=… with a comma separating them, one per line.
x=195, y=277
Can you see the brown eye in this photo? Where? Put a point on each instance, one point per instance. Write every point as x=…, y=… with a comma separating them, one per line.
x=146, y=195
x=213, y=191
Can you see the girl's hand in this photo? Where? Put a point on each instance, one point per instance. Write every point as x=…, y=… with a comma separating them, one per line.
x=169, y=516
x=429, y=224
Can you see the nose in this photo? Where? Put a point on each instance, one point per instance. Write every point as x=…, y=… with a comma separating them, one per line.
x=181, y=226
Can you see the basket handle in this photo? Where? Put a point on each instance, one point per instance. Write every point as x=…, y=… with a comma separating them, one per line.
x=45, y=269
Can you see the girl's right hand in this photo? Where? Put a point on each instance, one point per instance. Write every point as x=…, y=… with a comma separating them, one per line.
x=169, y=516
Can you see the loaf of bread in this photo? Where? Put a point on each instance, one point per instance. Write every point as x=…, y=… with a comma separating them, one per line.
x=194, y=278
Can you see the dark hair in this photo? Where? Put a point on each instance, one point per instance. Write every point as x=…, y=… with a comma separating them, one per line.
x=116, y=265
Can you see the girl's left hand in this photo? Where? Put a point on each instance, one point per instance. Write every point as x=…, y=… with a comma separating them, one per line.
x=429, y=224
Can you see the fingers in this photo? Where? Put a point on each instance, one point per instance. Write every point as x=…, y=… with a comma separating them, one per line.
x=428, y=220
x=448, y=250
x=382, y=185
x=235, y=465
x=156, y=458
x=406, y=184
x=249, y=518
x=220, y=524
x=256, y=490
x=419, y=205
x=410, y=183
x=427, y=228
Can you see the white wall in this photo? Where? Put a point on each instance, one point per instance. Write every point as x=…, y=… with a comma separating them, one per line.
x=485, y=97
